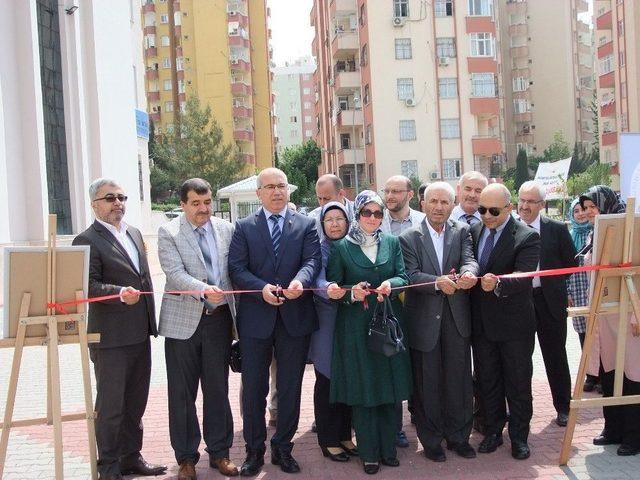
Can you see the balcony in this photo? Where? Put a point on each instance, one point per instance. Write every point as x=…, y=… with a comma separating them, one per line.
x=179, y=51
x=349, y=156
x=605, y=49
x=239, y=65
x=150, y=30
x=350, y=118
x=483, y=146
x=182, y=97
x=522, y=117
x=516, y=7
x=607, y=80
x=608, y=110
x=238, y=41
x=481, y=65
x=176, y=5
x=342, y=6
x=484, y=106
x=519, y=30
x=239, y=17
x=520, y=52
x=583, y=28
x=480, y=25
x=584, y=71
x=348, y=80
x=242, y=112
x=603, y=22
x=153, y=96
x=240, y=89
x=609, y=138
x=151, y=52
x=522, y=137
x=243, y=135
x=584, y=49
x=520, y=72
x=180, y=74
x=152, y=74
x=148, y=7
x=345, y=42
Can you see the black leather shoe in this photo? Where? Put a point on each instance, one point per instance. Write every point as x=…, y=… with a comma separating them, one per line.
x=562, y=419
x=603, y=439
x=284, y=459
x=390, y=462
x=336, y=457
x=349, y=451
x=139, y=466
x=589, y=384
x=252, y=464
x=462, y=449
x=490, y=443
x=371, y=468
x=626, y=450
x=435, y=453
x=520, y=450
x=401, y=440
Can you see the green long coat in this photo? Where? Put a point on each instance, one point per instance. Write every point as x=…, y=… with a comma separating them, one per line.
x=360, y=376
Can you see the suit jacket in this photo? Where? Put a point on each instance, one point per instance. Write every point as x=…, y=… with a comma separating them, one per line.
x=111, y=269
x=507, y=313
x=253, y=264
x=182, y=262
x=556, y=251
x=424, y=304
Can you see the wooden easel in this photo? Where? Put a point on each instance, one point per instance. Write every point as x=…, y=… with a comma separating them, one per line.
x=51, y=341
x=628, y=294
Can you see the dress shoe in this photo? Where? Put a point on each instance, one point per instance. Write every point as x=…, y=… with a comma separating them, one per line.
x=111, y=476
x=225, y=466
x=435, y=453
x=349, y=451
x=603, y=439
x=284, y=459
x=589, y=385
x=490, y=443
x=626, y=450
x=562, y=419
x=139, y=466
x=335, y=457
x=520, y=450
x=462, y=449
x=252, y=464
x=187, y=471
x=390, y=462
x=401, y=440
x=371, y=468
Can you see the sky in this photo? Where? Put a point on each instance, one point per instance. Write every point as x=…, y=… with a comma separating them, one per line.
x=291, y=34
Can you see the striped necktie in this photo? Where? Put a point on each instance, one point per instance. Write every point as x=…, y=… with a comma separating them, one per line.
x=276, y=233
x=486, y=249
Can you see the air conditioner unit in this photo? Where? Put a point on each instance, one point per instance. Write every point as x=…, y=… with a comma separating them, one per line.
x=399, y=21
x=443, y=61
x=434, y=175
x=232, y=12
x=410, y=102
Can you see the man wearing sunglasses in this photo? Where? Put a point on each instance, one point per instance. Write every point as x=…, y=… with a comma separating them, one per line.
x=122, y=359
x=504, y=320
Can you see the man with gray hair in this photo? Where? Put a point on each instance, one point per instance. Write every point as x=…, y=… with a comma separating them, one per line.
x=550, y=294
x=440, y=251
x=329, y=188
x=468, y=189
x=122, y=360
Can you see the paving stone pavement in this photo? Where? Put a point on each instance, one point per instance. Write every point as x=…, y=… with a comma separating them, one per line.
x=30, y=454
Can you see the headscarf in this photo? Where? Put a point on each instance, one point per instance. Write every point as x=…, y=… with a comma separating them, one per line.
x=325, y=243
x=579, y=231
x=356, y=234
x=604, y=198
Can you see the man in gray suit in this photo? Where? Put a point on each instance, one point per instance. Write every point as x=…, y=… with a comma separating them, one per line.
x=193, y=250
x=440, y=251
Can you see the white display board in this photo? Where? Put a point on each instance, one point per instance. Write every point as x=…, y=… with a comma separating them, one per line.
x=553, y=178
x=630, y=167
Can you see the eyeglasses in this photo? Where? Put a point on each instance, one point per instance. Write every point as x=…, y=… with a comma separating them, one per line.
x=529, y=202
x=272, y=188
x=495, y=211
x=112, y=198
x=336, y=221
x=393, y=192
x=368, y=213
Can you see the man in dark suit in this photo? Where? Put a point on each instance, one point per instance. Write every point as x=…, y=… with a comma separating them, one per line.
x=273, y=249
x=439, y=322
x=550, y=294
x=122, y=359
x=504, y=320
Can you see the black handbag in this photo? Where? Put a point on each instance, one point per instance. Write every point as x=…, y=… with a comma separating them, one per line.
x=235, y=359
x=385, y=335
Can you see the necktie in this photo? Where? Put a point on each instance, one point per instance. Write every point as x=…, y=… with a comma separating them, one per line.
x=486, y=250
x=470, y=219
x=212, y=274
x=276, y=233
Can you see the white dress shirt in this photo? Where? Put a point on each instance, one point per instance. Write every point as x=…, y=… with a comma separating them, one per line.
x=125, y=241
x=438, y=243
x=213, y=252
x=458, y=214
x=536, y=226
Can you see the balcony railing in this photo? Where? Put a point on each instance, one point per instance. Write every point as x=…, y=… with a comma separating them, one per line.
x=153, y=96
x=609, y=138
x=345, y=41
x=349, y=156
x=486, y=145
x=243, y=135
x=350, y=118
x=603, y=22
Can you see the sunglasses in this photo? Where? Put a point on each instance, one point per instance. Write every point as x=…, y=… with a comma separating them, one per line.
x=112, y=198
x=368, y=213
x=495, y=211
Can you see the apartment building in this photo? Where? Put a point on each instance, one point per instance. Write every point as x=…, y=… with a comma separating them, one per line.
x=617, y=24
x=437, y=88
x=294, y=102
x=218, y=50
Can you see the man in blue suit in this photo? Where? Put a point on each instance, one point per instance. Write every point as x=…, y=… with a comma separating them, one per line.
x=277, y=251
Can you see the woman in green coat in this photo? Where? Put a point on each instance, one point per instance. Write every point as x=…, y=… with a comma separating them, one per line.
x=370, y=382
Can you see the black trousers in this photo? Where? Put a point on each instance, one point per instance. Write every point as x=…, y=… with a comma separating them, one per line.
x=291, y=355
x=333, y=420
x=621, y=422
x=442, y=387
x=504, y=369
x=202, y=359
x=552, y=337
x=122, y=384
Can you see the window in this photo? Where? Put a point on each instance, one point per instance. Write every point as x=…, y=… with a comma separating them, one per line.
x=308, y=133
x=307, y=105
x=448, y=88
x=306, y=91
x=367, y=94
x=624, y=122
x=294, y=133
x=180, y=86
x=150, y=41
x=372, y=175
x=293, y=119
x=520, y=105
x=483, y=85
x=445, y=47
x=621, y=58
x=307, y=119
x=405, y=88
x=363, y=15
x=443, y=8
x=292, y=105
x=407, y=130
x=623, y=89
x=164, y=18
x=403, y=48
x=400, y=8
x=292, y=92
x=481, y=45
x=606, y=65
x=166, y=62
x=409, y=168
x=343, y=103
x=167, y=85
x=520, y=84
x=449, y=128
x=482, y=8
x=345, y=141
x=168, y=106
x=620, y=28
x=164, y=41
x=451, y=167
x=368, y=135
x=364, y=55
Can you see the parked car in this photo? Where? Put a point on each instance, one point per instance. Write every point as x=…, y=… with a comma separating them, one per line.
x=173, y=213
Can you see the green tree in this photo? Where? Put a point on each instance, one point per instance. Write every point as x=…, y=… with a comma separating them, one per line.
x=593, y=108
x=522, y=169
x=300, y=163
x=558, y=149
x=595, y=174
x=580, y=160
x=197, y=150
x=415, y=186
